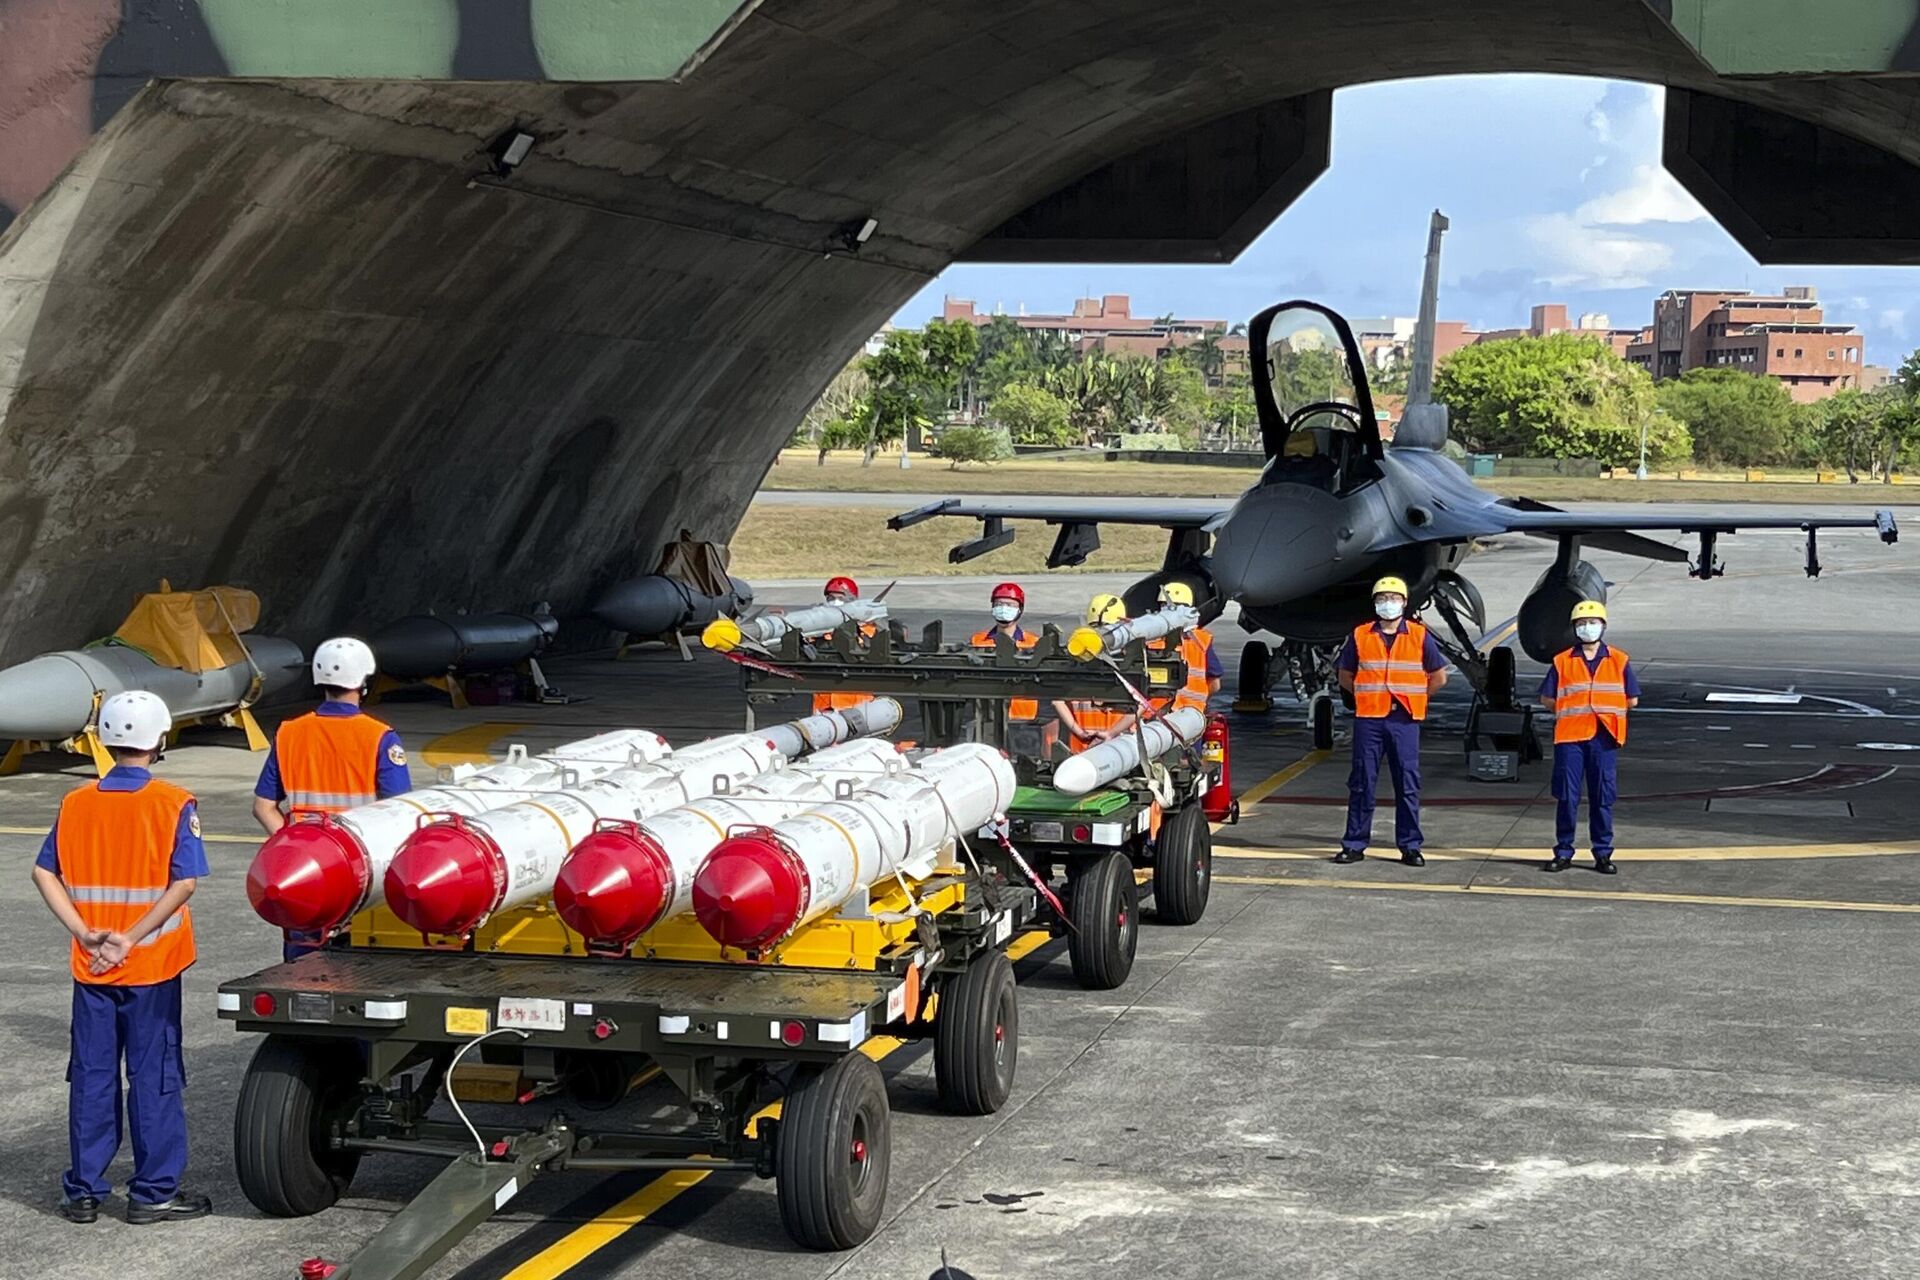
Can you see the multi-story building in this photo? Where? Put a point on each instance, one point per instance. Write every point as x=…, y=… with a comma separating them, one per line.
x=1108, y=324
x=1783, y=336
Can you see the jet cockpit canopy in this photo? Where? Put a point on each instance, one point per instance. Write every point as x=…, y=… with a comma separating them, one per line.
x=1310, y=387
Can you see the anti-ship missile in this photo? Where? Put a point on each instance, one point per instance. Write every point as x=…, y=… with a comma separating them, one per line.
x=426, y=645
x=1090, y=641
x=450, y=877
x=52, y=697
x=1097, y=766
x=657, y=605
x=757, y=887
x=315, y=874
x=725, y=635
x=627, y=877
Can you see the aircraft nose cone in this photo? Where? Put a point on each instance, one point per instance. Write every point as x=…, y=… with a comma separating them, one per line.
x=1277, y=544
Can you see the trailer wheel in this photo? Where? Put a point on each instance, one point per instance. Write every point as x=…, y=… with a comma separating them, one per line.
x=976, y=1040
x=293, y=1091
x=831, y=1154
x=1106, y=923
x=1183, y=866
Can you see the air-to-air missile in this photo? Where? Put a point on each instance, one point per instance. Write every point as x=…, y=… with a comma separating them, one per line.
x=52, y=698
x=627, y=877
x=657, y=605
x=1097, y=766
x=450, y=877
x=315, y=874
x=724, y=634
x=429, y=645
x=1091, y=641
x=758, y=886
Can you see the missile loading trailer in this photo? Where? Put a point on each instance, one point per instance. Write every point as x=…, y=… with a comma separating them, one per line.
x=1092, y=850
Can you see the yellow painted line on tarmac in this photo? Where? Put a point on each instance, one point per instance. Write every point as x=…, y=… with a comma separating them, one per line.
x=1698, y=853
x=1598, y=895
x=585, y=1241
x=469, y=745
x=1261, y=790
x=209, y=838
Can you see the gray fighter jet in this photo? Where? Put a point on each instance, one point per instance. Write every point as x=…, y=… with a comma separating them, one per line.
x=1336, y=508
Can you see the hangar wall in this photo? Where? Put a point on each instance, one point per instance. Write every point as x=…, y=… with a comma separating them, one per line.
x=289, y=331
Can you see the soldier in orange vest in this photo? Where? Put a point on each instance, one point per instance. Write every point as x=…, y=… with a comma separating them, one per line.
x=1390, y=666
x=1006, y=603
x=332, y=759
x=843, y=590
x=117, y=869
x=1589, y=689
x=1204, y=671
x=1090, y=723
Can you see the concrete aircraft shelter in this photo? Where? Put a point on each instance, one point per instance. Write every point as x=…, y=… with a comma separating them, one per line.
x=269, y=316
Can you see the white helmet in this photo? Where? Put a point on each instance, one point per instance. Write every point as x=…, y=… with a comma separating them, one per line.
x=137, y=720
x=343, y=663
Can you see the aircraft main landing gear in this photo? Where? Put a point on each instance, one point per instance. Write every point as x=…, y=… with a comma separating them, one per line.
x=1320, y=721
x=1256, y=678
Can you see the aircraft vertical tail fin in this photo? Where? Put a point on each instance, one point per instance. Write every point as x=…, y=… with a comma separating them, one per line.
x=1423, y=424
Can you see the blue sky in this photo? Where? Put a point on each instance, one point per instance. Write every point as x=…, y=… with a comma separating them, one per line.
x=1556, y=194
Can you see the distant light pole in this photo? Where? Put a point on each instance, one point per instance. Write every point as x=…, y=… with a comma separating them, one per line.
x=1642, y=473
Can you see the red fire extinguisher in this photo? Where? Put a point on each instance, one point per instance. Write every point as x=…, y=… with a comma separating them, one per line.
x=1215, y=755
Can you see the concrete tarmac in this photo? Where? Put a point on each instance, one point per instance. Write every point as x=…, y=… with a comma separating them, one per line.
x=1709, y=1064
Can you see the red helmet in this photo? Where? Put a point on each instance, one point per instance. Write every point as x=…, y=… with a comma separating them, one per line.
x=1009, y=591
x=846, y=585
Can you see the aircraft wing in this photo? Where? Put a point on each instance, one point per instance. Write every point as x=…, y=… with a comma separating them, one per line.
x=1624, y=531
x=1078, y=519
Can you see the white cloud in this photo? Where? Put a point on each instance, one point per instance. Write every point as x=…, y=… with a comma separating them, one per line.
x=1651, y=195
x=1894, y=319
x=1576, y=254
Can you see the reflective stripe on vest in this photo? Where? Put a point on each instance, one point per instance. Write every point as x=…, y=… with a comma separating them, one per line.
x=1387, y=674
x=1017, y=708
x=116, y=856
x=1584, y=700
x=329, y=764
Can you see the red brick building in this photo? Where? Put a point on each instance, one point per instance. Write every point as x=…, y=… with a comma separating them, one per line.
x=1783, y=336
x=1108, y=324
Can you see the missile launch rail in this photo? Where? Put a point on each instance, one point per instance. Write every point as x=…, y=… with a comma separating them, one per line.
x=1087, y=848
x=768, y=1058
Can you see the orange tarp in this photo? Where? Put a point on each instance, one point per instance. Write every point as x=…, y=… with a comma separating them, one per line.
x=191, y=630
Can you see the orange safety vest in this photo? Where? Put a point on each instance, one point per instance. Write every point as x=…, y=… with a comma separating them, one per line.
x=841, y=701
x=329, y=764
x=1386, y=674
x=1017, y=708
x=1584, y=700
x=1094, y=717
x=1193, y=651
x=116, y=853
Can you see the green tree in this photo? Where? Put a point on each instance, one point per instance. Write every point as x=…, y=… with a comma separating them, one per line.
x=948, y=348
x=840, y=402
x=1032, y=415
x=1560, y=396
x=1737, y=418
x=1389, y=379
x=901, y=386
x=973, y=444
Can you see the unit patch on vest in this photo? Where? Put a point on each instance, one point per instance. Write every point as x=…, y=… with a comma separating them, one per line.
x=397, y=755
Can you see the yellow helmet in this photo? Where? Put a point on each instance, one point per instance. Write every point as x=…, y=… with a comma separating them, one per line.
x=1176, y=593
x=1105, y=607
x=1589, y=609
x=1390, y=584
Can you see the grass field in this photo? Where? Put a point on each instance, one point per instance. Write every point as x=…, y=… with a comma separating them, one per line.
x=844, y=474
x=799, y=542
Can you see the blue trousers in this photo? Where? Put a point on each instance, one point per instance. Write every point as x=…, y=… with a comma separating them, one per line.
x=142, y=1025
x=1399, y=742
x=1590, y=763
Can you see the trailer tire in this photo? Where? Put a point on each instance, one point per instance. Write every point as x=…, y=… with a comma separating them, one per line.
x=976, y=1037
x=832, y=1152
x=293, y=1090
x=1183, y=866
x=1106, y=922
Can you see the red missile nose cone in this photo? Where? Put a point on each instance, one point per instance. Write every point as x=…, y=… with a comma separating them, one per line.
x=308, y=876
x=750, y=892
x=614, y=886
x=445, y=879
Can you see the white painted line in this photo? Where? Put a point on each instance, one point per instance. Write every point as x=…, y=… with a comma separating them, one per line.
x=1773, y=699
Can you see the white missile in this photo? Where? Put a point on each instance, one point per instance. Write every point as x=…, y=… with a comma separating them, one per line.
x=1097, y=766
x=627, y=877
x=758, y=886
x=1091, y=642
x=874, y=718
x=726, y=635
x=315, y=875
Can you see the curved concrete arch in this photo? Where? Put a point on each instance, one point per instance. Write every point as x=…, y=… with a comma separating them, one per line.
x=295, y=334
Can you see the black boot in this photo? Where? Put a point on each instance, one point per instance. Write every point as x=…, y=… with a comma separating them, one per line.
x=82, y=1209
x=1346, y=856
x=183, y=1206
x=1557, y=864
x=1412, y=858
x=1605, y=867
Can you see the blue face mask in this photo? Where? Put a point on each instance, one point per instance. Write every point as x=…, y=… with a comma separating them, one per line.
x=1005, y=612
x=1390, y=608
